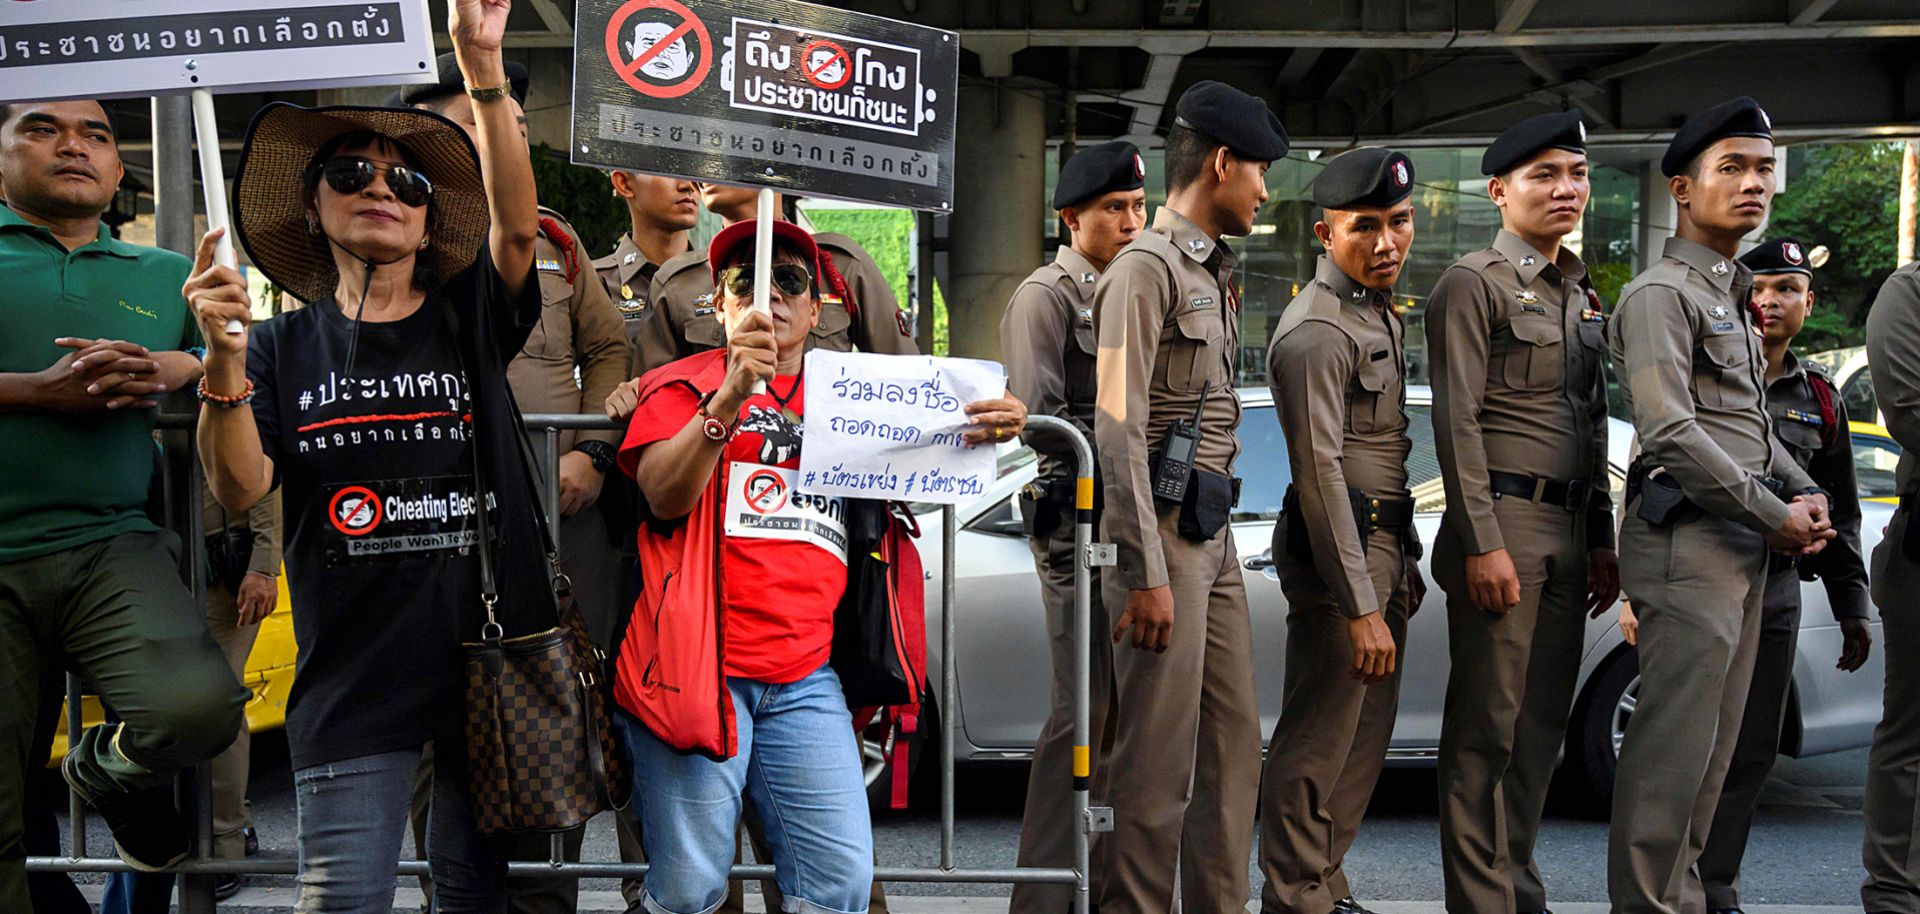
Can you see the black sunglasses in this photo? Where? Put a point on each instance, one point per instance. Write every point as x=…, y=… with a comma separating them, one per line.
x=789, y=278
x=352, y=174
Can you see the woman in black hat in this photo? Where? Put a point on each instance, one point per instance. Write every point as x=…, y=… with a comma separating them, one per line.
x=373, y=408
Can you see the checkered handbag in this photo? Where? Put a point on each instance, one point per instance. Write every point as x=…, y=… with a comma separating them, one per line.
x=540, y=750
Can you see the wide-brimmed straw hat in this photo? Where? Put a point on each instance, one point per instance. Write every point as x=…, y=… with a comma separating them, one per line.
x=269, y=190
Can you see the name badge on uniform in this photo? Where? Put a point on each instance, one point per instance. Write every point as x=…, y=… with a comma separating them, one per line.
x=703, y=306
x=1201, y=302
x=1534, y=309
x=1806, y=418
x=1724, y=327
x=546, y=264
x=703, y=312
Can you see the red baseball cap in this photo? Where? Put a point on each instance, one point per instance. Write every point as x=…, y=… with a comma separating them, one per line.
x=740, y=234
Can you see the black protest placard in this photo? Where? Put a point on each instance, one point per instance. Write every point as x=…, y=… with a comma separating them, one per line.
x=787, y=95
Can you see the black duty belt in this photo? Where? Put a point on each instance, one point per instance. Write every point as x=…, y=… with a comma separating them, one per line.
x=1569, y=494
x=1777, y=563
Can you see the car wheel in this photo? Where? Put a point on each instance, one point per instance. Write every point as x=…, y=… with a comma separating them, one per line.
x=878, y=770
x=1610, y=702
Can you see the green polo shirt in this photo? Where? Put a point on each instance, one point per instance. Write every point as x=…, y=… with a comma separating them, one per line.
x=68, y=480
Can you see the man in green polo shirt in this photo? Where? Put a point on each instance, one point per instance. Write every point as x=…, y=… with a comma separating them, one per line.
x=96, y=329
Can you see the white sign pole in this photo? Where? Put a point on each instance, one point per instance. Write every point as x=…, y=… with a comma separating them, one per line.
x=213, y=178
x=763, y=259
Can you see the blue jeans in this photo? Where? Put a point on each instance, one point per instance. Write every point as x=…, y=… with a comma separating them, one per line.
x=353, y=814
x=798, y=765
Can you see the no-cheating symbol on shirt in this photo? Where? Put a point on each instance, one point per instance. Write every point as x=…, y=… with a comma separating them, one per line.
x=355, y=511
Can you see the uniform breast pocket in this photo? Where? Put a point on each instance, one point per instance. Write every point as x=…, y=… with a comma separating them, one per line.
x=703, y=329
x=1373, y=402
x=552, y=338
x=831, y=332
x=1536, y=360
x=1190, y=353
x=1079, y=353
x=1721, y=375
x=1592, y=354
x=1800, y=438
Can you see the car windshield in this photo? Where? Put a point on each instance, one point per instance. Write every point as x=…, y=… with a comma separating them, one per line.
x=1874, y=460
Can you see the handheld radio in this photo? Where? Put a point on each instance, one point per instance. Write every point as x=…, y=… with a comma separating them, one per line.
x=1173, y=466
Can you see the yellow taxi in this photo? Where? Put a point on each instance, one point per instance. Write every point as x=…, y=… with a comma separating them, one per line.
x=269, y=674
x=1875, y=455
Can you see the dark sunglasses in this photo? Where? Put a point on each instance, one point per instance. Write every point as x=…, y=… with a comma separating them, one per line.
x=352, y=174
x=789, y=278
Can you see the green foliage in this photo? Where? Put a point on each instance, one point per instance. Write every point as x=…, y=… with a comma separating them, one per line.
x=1608, y=279
x=887, y=234
x=1845, y=196
x=583, y=196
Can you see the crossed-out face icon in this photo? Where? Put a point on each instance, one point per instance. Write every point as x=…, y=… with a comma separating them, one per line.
x=671, y=63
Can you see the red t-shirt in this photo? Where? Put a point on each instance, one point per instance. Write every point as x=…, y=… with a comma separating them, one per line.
x=783, y=558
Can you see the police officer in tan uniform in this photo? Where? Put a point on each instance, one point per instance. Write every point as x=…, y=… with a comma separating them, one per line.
x=1711, y=493
x=1345, y=545
x=1891, y=850
x=1811, y=422
x=661, y=211
x=858, y=309
x=1046, y=339
x=579, y=332
x=1186, y=754
x=1525, y=552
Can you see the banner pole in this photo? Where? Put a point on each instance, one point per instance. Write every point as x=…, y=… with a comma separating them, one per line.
x=213, y=181
x=763, y=259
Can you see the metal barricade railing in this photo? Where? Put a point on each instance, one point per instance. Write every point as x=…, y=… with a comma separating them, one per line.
x=183, y=508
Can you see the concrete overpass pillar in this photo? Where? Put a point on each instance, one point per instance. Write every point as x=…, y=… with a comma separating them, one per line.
x=994, y=235
x=1657, y=218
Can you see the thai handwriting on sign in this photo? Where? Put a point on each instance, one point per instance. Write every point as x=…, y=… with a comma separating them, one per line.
x=89, y=40
x=881, y=426
x=786, y=70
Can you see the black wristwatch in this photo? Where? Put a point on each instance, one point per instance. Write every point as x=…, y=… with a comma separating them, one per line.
x=600, y=452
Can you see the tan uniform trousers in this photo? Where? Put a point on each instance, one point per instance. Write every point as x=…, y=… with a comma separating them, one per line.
x=1048, y=824
x=1508, y=695
x=1696, y=587
x=1756, y=749
x=232, y=813
x=1185, y=767
x=1891, y=852
x=1332, y=736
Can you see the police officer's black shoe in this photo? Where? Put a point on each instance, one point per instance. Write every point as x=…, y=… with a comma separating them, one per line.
x=253, y=840
x=227, y=887
x=1733, y=910
x=148, y=832
x=1348, y=906
x=1541, y=911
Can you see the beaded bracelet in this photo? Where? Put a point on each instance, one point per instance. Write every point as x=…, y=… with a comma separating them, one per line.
x=207, y=396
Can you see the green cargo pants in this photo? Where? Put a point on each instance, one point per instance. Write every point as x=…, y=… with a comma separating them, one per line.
x=115, y=612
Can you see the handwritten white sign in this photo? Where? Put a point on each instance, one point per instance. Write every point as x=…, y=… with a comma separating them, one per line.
x=889, y=426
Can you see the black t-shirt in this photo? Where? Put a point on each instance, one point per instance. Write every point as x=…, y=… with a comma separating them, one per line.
x=378, y=493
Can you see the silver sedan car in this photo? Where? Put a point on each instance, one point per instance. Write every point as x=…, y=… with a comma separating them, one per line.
x=1004, y=669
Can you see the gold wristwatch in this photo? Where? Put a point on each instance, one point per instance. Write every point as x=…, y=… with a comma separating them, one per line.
x=489, y=93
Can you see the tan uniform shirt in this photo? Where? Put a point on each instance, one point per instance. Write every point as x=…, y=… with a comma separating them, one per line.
x=1692, y=371
x=1046, y=338
x=687, y=320
x=1167, y=319
x=1827, y=456
x=262, y=520
x=1518, y=344
x=628, y=277
x=578, y=330
x=1893, y=351
x=1337, y=366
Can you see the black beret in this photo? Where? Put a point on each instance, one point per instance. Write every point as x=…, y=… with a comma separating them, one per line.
x=1738, y=117
x=1522, y=141
x=452, y=83
x=1233, y=119
x=1368, y=176
x=1778, y=255
x=1097, y=170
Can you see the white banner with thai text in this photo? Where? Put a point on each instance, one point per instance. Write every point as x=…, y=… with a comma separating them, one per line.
x=890, y=426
